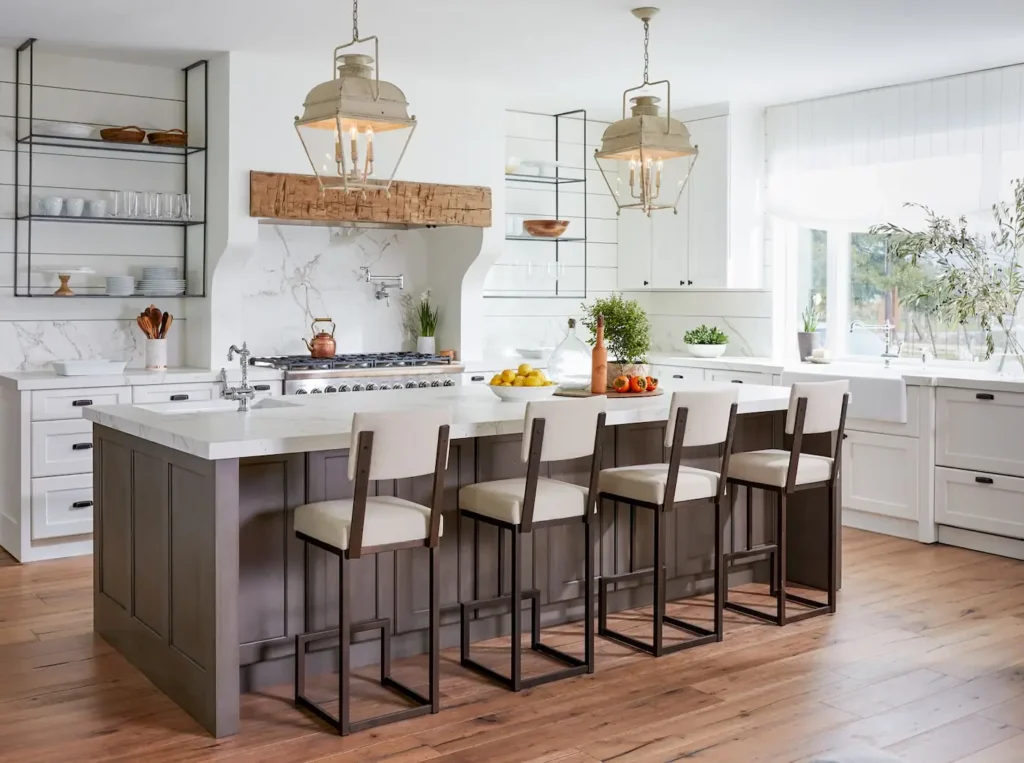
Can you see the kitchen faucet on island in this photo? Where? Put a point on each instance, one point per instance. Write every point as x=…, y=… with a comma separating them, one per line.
x=244, y=392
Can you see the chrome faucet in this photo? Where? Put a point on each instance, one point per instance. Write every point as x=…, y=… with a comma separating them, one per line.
x=888, y=332
x=243, y=393
x=384, y=283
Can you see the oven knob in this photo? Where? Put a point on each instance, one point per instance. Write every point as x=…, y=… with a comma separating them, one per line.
x=370, y=387
x=330, y=388
x=396, y=385
x=448, y=383
x=316, y=391
x=343, y=388
x=357, y=387
x=423, y=385
x=385, y=385
x=435, y=383
x=300, y=392
x=410, y=385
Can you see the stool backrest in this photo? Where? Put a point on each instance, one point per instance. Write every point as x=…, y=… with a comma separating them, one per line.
x=707, y=415
x=569, y=427
x=404, y=442
x=824, y=405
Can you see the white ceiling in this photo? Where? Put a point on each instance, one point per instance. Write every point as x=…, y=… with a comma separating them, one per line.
x=572, y=52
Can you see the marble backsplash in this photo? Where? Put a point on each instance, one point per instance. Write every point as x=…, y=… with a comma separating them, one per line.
x=299, y=273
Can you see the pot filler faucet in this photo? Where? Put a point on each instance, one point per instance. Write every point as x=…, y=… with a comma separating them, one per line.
x=243, y=393
x=384, y=283
x=889, y=333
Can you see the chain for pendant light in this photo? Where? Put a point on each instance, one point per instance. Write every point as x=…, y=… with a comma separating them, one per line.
x=647, y=40
x=355, y=20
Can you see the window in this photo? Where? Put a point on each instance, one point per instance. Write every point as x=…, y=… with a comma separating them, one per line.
x=812, y=276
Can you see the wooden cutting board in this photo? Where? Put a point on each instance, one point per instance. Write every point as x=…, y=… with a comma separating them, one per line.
x=588, y=393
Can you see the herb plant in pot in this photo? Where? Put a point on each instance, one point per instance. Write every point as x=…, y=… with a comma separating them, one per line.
x=808, y=340
x=627, y=334
x=420, y=322
x=706, y=342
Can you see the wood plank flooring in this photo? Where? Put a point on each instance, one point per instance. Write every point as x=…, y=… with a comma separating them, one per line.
x=924, y=659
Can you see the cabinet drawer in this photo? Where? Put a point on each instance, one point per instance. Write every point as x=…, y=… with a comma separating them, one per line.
x=677, y=373
x=171, y=393
x=988, y=503
x=51, y=404
x=880, y=474
x=979, y=430
x=61, y=447
x=61, y=506
x=740, y=377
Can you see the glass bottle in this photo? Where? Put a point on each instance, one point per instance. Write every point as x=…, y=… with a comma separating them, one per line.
x=570, y=365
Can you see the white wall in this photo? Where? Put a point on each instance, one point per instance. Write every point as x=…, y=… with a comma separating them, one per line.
x=35, y=331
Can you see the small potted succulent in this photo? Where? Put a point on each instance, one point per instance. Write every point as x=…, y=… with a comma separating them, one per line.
x=627, y=334
x=808, y=339
x=706, y=342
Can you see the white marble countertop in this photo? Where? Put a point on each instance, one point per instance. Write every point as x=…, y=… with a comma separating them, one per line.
x=29, y=380
x=216, y=430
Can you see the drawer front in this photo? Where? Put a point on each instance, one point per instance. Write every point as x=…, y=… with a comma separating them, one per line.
x=979, y=430
x=911, y=429
x=677, y=373
x=881, y=474
x=740, y=377
x=52, y=404
x=61, y=506
x=171, y=393
x=988, y=503
x=61, y=447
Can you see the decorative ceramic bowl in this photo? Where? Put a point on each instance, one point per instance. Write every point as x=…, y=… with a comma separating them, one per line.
x=707, y=350
x=545, y=228
x=522, y=394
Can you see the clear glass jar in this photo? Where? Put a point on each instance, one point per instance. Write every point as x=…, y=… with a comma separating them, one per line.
x=570, y=364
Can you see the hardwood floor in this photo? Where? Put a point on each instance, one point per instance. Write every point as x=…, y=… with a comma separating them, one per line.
x=925, y=659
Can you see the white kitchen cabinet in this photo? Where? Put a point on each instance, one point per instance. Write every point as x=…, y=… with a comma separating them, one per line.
x=53, y=404
x=739, y=377
x=677, y=373
x=61, y=447
x=634, y=250
x=987, y=503
x=881, y=474
x=173, y=393
x=980, y=430
x=61, y=506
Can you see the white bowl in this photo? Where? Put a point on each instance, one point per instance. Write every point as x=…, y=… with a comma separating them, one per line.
x=534, y=353
x=522, y=394
x=51, y=205
x=706, y=350
x=65, y=129
x=74, y=207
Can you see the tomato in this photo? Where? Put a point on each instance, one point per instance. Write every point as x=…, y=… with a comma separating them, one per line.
x=621, y=384
x=638, y=384
x=652, y=384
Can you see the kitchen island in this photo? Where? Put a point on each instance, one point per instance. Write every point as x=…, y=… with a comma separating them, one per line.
x=199, y=577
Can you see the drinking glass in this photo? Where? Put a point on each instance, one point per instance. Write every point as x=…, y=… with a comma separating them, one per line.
x=116, y=204
x=130, y=203
x=185, y=206
x=149, y=204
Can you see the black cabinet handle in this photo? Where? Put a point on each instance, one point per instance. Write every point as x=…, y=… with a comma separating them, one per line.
x=846, y=437
x=678, y=376
x=81, y=504
x=689, y=283
x=175, y=398
x=261, y=388
x=681, y=283
x=476, y=378
x=985, y=396
x=645, y=283
x=736, y=381
x=983, y=480
x=81, y=446
x=78, y=403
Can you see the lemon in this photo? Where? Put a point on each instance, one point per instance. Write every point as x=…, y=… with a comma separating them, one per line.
x=533, y=381
x=508, y=375
x=538, y=373
x=525, y=369
x=549, y=384
x=519, y=381
x=506, y=384
x=496, y=380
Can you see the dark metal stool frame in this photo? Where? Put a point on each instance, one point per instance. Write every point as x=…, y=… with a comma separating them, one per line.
x=777, y=551
x=702, y=635
x=423, y=705
x=576, y=666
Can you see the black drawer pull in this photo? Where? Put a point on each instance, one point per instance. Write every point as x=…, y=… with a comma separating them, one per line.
x=736, y=381
x=81, y=504
x=262, y=388
x=81, y=446
x=79, y=403
x=175, y=398
x=476, y=378
x=678, y=376
x=985, y=396
x=983, y=480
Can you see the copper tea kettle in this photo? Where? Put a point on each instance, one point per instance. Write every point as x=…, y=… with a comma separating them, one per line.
x=323, y=345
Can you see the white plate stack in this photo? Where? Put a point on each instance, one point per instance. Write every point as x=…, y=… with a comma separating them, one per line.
x=161, y=282
x=120, y=286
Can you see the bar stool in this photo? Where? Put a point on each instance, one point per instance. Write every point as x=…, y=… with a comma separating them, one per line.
x=696, y=418
x=554, y=430
x=385, y=446
x=814, y=408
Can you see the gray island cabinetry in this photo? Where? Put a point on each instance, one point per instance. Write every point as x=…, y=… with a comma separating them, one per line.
x=198, y=574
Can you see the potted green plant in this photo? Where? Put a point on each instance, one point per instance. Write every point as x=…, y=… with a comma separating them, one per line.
x=807, y=340
x=627, y=334
x=420, y=322
x=706, y=342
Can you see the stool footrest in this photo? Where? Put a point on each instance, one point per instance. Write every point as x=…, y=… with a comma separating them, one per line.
x=622, y=577
x=473, y=606
x=577, y=667
x=765, y=548
x=816, y=608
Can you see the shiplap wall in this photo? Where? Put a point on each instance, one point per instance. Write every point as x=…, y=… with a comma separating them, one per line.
x=33, y=332
x=522, y=309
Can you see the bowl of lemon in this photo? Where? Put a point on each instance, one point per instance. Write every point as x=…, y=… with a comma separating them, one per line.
x=521, y=385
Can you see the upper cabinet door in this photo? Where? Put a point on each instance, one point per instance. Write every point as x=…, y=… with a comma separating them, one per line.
x=670, y=246
x=634, y=245
x=708, y=216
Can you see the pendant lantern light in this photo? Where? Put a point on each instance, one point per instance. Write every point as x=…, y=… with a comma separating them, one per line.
x=355, y=125
x=646, y=141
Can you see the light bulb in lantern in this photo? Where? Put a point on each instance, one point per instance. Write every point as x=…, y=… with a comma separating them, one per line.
x=368, y=170
x=353, y=146
x=658, y=165
x=632, y=173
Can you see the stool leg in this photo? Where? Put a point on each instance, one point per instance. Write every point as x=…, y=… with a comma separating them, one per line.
x=344, y=642
x=517, y=612
x=659, y=578
x=588, y=596
x=773, y=577
x=780, y=558
x=719, y=575
x=435, y=630
x=832, y=548
x=750, y=517
x=300, y=678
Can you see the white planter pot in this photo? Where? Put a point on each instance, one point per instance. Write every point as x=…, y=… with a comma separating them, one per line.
x=156, y=354
x=426, y=345
x=706, y=350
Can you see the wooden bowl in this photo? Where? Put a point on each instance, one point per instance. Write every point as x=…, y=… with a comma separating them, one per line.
x=176, y=138
x=130, y=134
x=545, y=228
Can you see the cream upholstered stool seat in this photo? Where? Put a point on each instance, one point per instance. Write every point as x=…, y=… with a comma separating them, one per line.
x=553, y=430
x=697, y=418
x=385, y=446
x=814, y=408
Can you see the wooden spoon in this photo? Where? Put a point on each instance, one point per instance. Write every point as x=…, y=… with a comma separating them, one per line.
x=143, y=321
x=164, y=324
x=155, y=317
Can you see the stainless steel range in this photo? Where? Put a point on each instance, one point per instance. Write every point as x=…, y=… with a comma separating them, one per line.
x=305, y=375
